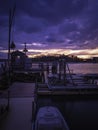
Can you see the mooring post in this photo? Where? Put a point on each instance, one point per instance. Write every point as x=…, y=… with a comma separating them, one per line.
x=8, y=104
x=32, y=111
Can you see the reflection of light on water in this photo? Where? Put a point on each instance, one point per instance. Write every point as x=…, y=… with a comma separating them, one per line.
x=78, y=68
x=84, y=68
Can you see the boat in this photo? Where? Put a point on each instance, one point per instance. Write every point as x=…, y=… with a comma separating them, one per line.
x=50, y=118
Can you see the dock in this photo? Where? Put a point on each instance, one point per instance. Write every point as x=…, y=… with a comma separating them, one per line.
x=80, y=87
x=63, y=82
x=19, y=116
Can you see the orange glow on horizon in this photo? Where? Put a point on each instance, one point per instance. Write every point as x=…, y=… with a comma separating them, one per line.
x=84, y=53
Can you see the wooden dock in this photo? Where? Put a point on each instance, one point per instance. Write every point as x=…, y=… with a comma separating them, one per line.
x=79, y=88
x=20, y=111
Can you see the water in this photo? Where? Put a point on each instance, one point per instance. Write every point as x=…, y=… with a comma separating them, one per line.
x=77, y=68
x=84, y=68
x=82, y=115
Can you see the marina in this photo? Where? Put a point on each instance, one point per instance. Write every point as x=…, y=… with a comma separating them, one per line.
x=48, y=65
x=23, y=96
x=63, y=82
x=20, y=112
x=33, y=89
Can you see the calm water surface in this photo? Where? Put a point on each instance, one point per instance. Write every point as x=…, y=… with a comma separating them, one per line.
x=82, y=115
x=84, y=68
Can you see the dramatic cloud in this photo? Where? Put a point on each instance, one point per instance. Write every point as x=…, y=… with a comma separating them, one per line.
x=51, y=24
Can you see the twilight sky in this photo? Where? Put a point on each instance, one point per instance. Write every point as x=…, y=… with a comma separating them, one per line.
x=51, y=26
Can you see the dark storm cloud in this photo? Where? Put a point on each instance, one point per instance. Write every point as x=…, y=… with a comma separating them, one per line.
x=50, y=10
x=68, y=27
x=3, y=21
x=82, y=27
x=90, y=31
x=29, y=25
x=4, y=4
x=53, y=11
x=66, y=22
x=54, y=38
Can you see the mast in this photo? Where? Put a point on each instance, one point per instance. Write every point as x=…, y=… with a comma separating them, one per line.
x=11, y=16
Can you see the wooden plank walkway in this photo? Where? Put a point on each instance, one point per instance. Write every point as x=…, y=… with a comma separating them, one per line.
x=21, y=89
x=19, y=116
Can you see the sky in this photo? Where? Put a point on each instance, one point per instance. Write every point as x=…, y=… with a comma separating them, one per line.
x=68, y=27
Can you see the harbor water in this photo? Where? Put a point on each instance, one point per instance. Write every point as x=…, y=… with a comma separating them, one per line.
x=77, y=68
x=84, y=68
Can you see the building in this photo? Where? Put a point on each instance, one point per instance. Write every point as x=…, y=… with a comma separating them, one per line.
x=95, y=59
x=20, y=61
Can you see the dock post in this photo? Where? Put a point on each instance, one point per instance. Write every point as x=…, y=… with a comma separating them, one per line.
x=59, y=69
x=32, y=111
x=8, y=104
x=64, y=64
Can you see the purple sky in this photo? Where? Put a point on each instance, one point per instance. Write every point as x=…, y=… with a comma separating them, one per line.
x=62, y=25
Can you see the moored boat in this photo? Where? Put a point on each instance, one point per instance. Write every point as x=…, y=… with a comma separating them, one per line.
x=50, y=118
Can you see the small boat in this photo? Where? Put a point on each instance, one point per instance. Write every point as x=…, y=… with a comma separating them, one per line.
x=50, y=118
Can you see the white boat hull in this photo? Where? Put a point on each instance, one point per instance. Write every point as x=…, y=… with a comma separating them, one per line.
x=50, y=118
